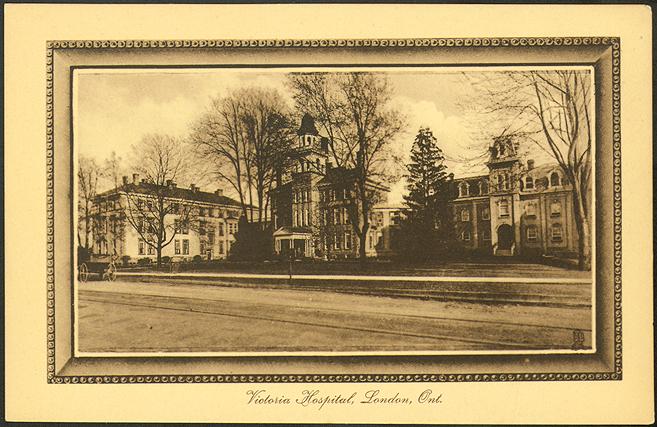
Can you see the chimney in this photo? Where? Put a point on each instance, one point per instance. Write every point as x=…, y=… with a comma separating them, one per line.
x=135, y=178
x=530, y=165
x=219, y=192
x=193, y=187
x=125, y=180
x=170, y=183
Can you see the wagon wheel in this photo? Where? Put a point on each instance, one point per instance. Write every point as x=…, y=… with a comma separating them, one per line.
x=111, y=272
x=83, y=273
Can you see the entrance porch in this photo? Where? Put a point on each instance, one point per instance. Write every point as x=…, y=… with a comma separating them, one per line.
x=295, y=241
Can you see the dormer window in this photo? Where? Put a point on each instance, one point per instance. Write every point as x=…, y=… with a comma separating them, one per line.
x=555, y=179
x=529, y=183
x=464, y=189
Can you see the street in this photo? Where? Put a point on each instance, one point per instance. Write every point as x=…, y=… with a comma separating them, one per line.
x=168, y=314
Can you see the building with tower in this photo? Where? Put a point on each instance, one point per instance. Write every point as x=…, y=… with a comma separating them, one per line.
x=311, y=203
x=516, y=209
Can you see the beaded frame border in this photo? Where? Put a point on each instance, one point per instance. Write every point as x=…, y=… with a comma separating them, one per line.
x=613, y=42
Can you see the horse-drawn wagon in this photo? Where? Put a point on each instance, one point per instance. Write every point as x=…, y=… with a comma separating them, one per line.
x=89, y=264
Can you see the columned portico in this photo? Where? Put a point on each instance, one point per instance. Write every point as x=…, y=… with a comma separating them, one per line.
x=295, y=241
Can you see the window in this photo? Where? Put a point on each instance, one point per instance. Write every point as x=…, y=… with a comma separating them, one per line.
x=176, y=247
x=232, y=228
x=485, y=214
x=151, y=250
x=465, y=235
x=500, y=182
x=303, y=195
x=555, y=208
x=486, y=235
x=185, y=247
x=201, y=211
x=504, y=208
x=142, y=248
x=211, y=238
x=345, y=215
x=295, y=222
x=336, y=216
x=556, y=233
x=483, y=187
x=464, y=189
x=306, y=217
x=347, y=239
x=532, y=234
x=529, y=183
x=345, y=193
x=465, y=215
x=555, y=181
x=221, y=247
x=395, y=218
x=336, y=242
x=220, y=229
x=531, y=210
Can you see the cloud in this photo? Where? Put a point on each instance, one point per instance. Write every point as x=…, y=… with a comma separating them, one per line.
x=450, y=131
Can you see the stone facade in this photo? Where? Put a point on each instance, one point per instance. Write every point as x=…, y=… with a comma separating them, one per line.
x=516, y=209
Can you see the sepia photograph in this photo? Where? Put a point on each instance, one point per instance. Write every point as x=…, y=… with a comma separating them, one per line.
x=328, y=213
x=334, y=210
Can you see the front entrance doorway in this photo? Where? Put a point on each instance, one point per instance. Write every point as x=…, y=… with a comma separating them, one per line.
x=504, y=237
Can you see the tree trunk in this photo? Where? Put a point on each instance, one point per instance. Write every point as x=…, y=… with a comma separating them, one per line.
x=362, y=243
x=584, y=233
x=159, y=255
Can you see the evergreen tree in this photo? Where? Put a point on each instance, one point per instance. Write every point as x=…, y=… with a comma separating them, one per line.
x=427, y=230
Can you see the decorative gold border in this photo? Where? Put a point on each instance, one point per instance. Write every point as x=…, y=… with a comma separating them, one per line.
x=51, y=46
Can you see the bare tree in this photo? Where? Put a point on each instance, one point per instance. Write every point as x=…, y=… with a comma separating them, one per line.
x=248, y=135
x=353, y=111
x=552, y=109
x=89, y=175
x=150, y=206
x=113, y=170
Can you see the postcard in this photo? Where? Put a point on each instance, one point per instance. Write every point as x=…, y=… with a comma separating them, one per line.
x=253, y=224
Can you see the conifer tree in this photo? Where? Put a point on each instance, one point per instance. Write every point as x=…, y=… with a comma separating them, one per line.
x=427, y=230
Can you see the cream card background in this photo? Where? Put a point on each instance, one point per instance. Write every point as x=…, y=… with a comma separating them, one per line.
x=29, y=397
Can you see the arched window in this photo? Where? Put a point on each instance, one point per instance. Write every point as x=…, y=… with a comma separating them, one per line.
x=464, y=189
x=485, y=213
x=529, y=183
x=555, y=180
x=483, y=187
x=465, y=235
x=556, y=233
x=465, y=215
x=531, y=210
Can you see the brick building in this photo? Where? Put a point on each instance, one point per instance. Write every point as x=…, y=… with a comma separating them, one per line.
x=516, y=209
x=311, y=200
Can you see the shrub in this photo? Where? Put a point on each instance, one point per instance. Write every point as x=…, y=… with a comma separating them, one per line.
x=144, y=261
x=125, y=260
x=166, y=259
x=197, y=258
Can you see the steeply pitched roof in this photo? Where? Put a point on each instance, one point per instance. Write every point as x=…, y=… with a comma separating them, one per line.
x=174, y=193
x=307, y=126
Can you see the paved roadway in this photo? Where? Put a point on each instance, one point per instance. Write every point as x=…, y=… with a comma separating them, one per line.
x=184, y=315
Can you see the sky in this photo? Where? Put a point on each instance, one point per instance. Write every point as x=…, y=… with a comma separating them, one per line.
x=114, y=109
